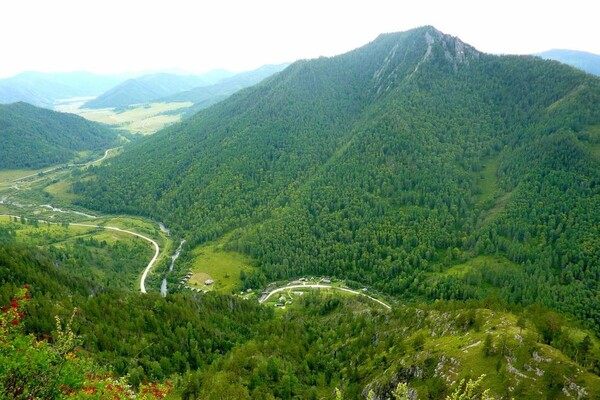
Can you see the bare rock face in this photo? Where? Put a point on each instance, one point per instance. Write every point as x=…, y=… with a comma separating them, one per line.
x=455, y=50
x=406, y=55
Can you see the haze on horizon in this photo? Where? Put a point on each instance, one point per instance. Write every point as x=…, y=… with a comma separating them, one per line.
x=115, y=36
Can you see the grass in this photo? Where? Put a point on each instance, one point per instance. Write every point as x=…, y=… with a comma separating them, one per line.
x=488, y=184
x=46, y=234
x=479, y=263
x=60, y=190
x=490, y=197
x=143, y=119
x=8, y=175
x=210, y=261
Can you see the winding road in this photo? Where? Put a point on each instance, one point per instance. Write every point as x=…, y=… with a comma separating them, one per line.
x=114, y=228
x=152, y=261
x=319, y=286
x=64, y=166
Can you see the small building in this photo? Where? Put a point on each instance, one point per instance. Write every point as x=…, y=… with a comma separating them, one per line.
x=209, y=282
x=249, y=290
x=326, y=280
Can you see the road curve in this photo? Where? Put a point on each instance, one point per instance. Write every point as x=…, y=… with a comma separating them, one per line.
x=150, y=264
x=319, y=286
x=114, y=228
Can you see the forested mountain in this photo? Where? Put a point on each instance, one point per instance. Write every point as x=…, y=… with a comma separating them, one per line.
x=585, y=61
x=223, y=347
x=415, y=164
x=34, y=137
x=44, y=89
x=148, y=88
x=205, y=96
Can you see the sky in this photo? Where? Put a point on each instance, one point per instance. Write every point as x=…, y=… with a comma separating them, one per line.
x=116, y=36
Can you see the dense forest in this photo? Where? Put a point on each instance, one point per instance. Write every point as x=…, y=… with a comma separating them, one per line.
x=213, y=346
x=34, y=137
x=393, y=165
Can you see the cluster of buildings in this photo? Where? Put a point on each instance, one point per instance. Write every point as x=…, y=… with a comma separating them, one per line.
x=186, y=278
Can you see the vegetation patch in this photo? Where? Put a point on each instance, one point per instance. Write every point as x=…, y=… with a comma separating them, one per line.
x=115, y=259
x=210, y=261
x=61, y=190
x=481, y=263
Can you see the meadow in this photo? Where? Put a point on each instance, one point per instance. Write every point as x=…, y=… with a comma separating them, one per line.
x=141, y=119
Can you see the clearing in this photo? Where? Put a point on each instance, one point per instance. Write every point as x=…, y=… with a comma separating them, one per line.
x=210, y=261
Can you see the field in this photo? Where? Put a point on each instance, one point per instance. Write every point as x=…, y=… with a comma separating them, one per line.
x=210, y=261
x=7, y=176
x=60, y=190
x=143, y=119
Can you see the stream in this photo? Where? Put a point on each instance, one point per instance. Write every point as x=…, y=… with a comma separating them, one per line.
x=163, y=285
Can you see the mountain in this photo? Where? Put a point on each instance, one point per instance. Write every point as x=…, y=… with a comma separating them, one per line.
x=415, y=164
x=44, y=89
x=148, y=88
x=35, y=137
x=585, y=61
x=216, y=346
x=205, y=96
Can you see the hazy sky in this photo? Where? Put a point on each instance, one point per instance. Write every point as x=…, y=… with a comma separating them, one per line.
x=130, y=35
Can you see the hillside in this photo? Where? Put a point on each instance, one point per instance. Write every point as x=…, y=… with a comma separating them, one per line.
x=205, y=96
x=217, y=346
x=416, y=165
x=148, y=88
x=585, y=61
x=34, y=137
x=45, y=89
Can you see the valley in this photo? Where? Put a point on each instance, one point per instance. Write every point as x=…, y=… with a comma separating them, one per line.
x=143, y=119
x=413, y=212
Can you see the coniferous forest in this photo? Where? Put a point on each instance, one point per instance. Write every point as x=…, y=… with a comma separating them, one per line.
x=388, y=165
x=462, y=187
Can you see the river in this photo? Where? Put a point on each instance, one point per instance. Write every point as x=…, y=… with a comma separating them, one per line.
x=163, y=285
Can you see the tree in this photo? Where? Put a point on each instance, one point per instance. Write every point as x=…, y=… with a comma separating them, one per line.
x=191, y=386
x=401, y=392
x=488, y=346
x=584, y=348
x=469, y=390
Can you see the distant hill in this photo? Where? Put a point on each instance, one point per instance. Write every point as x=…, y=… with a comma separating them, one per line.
x=205, y=96
x=44, y=89
x=34, y=137
x=149, y=88
x=587, y=62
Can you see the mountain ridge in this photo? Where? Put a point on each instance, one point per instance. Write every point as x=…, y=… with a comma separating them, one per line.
x=35, y=137
x=45, y=89
x=145, y=89
x=370, y=165
x=583, y=60
x=205, y=96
